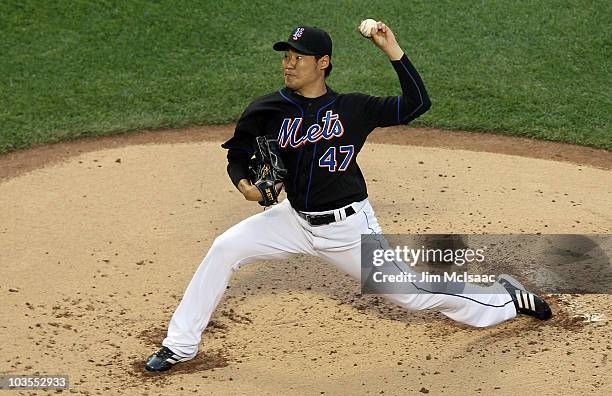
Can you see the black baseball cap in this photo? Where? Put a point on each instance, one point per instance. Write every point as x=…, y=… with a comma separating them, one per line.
x=308, y=41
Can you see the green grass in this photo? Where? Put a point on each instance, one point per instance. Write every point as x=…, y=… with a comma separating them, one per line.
x=89, y=68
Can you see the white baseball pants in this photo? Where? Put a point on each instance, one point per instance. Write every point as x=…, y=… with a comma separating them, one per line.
x=278, y=233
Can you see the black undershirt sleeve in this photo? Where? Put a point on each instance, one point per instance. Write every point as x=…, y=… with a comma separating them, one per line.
x=414, y=100
x=240, y=146
x=395, y=110
x=238, y=165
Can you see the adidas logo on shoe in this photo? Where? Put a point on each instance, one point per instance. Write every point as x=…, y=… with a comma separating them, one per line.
x=163, y=360
x=525, y=302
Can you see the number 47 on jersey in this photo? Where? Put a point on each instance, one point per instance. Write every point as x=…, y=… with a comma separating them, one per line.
x=329, y=158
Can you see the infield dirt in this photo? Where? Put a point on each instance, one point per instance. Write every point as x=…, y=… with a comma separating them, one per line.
x=99, y=238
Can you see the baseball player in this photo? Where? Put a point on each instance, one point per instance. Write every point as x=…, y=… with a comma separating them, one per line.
x=320, y=133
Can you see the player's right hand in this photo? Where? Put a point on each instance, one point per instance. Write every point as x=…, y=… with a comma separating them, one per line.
x=252, y=193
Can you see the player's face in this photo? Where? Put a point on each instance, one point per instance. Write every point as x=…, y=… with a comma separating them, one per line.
x=300, y=70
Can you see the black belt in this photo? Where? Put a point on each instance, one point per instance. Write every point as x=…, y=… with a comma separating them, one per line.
x=317, y=220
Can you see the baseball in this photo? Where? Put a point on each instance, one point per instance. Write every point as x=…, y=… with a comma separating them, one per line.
x=366, y=26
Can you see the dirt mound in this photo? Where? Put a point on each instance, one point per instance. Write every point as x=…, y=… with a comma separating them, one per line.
x=98, y=240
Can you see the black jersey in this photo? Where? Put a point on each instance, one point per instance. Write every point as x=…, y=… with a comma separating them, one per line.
x=321, y=137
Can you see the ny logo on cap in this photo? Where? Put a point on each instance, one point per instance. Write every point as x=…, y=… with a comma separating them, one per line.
x=298, y=33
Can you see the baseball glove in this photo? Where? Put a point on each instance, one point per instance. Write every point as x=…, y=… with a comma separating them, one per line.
x=267, y=169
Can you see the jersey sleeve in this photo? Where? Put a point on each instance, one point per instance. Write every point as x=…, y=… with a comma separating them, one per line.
x=240, y=147
x=396, y=110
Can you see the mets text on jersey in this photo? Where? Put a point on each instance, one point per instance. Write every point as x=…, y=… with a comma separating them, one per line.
x=332, y=127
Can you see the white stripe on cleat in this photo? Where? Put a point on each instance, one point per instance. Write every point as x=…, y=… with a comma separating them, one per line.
x=518, y=298
x=532, y=301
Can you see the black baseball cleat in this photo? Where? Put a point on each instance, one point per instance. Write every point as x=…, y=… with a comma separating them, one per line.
x=525, y=302
x=163, y=360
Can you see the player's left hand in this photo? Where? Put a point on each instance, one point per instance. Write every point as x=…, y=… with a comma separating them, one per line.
x=383, y=38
